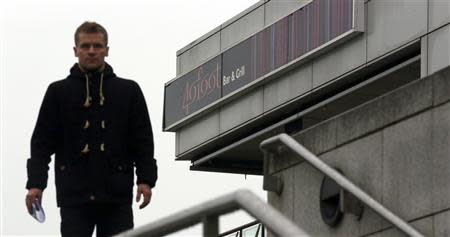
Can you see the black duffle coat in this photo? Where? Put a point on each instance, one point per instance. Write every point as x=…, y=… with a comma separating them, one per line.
x=98, y=127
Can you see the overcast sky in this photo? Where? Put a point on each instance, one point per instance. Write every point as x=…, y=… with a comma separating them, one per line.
x=36, y=40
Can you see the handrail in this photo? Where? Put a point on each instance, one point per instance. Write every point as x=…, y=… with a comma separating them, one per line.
x=341, y=180
x=209, y=211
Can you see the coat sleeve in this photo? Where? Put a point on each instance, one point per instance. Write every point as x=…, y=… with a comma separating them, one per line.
x=140, y=141
x=43, y=142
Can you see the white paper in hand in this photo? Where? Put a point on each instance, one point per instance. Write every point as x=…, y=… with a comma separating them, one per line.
x=38, y=212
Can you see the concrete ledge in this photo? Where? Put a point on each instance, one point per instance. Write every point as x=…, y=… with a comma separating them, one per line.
x=441, y=86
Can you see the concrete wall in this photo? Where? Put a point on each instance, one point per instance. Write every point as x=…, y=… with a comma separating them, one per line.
x=389, y=26
x=395, y=147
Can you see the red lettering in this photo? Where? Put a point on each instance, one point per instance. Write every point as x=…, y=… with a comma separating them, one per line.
x=201, y=87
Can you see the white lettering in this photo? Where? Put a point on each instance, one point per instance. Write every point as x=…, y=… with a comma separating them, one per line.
x=240, y=72
x=235, y=74
x=226, y=80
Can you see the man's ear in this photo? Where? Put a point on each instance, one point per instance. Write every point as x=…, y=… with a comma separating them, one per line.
x=107, y=51
x=75, y=51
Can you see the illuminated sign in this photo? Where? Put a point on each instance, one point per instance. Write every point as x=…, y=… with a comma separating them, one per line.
x=289, y=39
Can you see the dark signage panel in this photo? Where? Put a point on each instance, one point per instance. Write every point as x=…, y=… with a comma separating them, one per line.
x=236, y=67
x=296, y=35
x=193, y=91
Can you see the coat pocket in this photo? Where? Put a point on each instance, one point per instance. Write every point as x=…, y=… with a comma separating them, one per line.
x=120, y=179
x=71, y=179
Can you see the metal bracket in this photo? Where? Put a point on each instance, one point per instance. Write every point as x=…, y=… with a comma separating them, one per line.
x=271, y=183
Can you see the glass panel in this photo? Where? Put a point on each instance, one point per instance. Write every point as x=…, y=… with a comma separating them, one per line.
x=252, y=231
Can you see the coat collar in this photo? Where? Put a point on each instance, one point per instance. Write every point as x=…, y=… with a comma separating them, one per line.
x=76, y=72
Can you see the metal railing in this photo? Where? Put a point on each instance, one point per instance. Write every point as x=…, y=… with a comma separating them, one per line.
x=274, y=144
x=243, y=231
x=208, y=213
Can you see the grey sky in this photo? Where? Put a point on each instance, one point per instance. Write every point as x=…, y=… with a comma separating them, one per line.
x=36, y=40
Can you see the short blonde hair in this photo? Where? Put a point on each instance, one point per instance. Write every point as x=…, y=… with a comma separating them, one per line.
x=90, y=27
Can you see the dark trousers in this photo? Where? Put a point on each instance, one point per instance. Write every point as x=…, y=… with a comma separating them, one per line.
x=108, y=219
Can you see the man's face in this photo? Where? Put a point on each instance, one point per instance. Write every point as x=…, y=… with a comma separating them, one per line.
x=91, y=51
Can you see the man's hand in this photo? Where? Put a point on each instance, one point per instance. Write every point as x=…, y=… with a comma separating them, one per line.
x=146, y=191
x=32, y=195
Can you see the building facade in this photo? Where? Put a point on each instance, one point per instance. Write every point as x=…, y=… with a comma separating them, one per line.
x=363, y=84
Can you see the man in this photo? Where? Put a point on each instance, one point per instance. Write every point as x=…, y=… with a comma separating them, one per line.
x=98, y=127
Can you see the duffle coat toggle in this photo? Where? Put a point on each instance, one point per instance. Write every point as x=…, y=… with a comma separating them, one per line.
x=87, y=104
x=86, y=124
x=85, y=149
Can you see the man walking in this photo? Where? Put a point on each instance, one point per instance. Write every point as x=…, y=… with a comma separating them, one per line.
x=98, y=127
